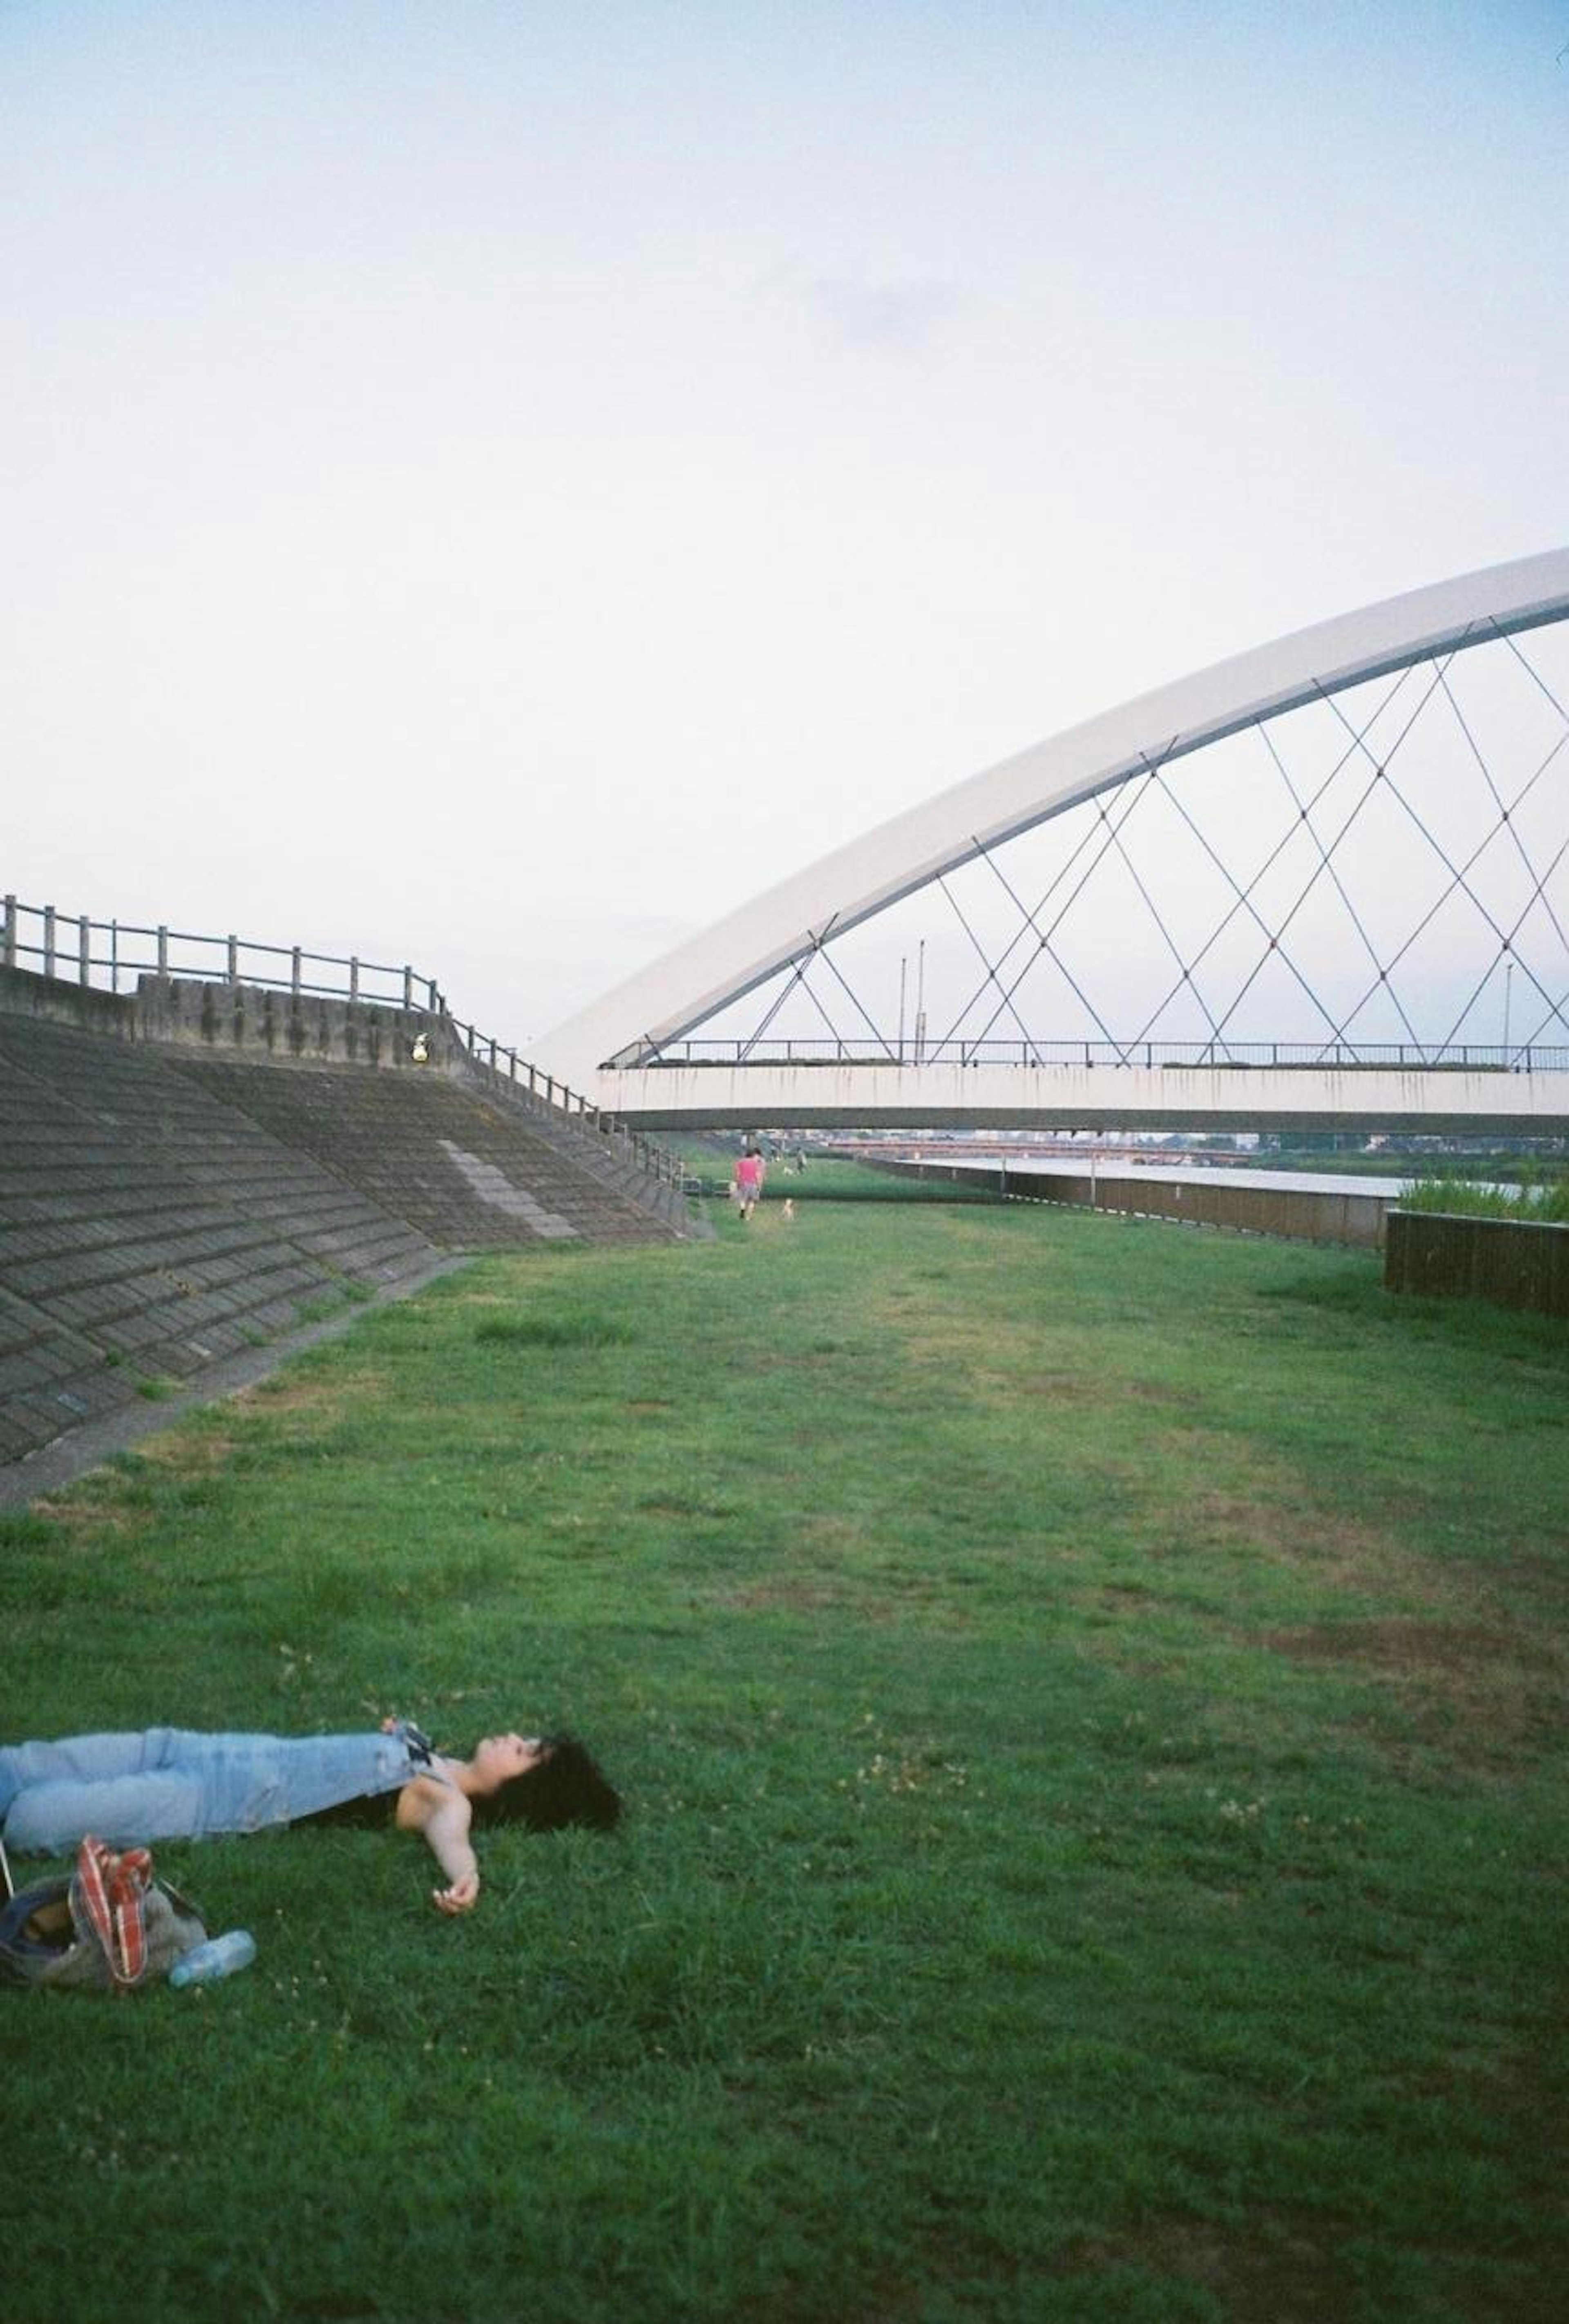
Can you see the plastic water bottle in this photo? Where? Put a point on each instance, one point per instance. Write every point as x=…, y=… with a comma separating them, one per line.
x=218, y=1957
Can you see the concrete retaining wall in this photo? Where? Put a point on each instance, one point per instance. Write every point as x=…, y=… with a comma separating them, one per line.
x=1516, y=1263
x=1295, y=1214
x=51, y=997
x=235, y=1019
x=256, y=1021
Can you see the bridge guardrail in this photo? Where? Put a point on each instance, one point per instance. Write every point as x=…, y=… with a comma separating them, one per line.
x=101, y=952
x=1282, y=1056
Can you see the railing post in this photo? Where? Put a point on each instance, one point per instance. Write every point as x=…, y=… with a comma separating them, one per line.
x=49, y=939
x=113, y=955
x=294, y=973
x=531, y=1080
x=493, y=1053
x=163, y=955
x=354, y=977
x=85, y=947
x=408, y=987
x=233, y=973
x=10, y=931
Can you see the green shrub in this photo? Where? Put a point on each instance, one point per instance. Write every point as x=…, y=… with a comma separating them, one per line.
x=1467, y=1198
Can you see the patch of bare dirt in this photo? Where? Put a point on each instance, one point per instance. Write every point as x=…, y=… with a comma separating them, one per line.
x=286, y=1392
x=1266, y=1507
x=1075, y=1391
x=1051, y=1388
x=94, y=1512
x=202, y=1446
x=1293, y=1533
x=1404, y=1644
x=672, y=1505
x=869, y=1597
x=792, y=1598
x=194, y=1453
x=1492, y=1684
x=1276, y=2271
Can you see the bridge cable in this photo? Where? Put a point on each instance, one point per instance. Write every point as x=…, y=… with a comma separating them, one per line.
x=1304, y=815
x=1457, y=878
x=1044, y=944
x=1096, y=829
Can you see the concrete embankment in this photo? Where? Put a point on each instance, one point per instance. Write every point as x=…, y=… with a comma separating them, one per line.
x=166, y=1206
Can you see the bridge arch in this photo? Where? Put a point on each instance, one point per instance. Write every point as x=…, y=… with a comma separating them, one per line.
x=628, y=1026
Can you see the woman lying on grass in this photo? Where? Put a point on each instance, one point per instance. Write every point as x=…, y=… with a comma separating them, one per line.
x=171, y=1784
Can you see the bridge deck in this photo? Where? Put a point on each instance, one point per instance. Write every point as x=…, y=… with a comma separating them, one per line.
x=1087, y=1097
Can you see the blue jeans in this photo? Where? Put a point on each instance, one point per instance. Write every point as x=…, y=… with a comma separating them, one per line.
x=168, y=1783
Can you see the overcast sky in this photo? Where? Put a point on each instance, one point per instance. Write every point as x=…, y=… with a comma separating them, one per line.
x=498, y=484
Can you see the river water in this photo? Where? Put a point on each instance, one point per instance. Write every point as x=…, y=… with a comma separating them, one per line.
x=1167, y=1173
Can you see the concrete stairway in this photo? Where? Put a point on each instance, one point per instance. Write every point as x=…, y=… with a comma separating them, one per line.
x=469, y=1171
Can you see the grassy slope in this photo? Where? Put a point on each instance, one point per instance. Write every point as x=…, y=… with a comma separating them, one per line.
x=1090, y=1696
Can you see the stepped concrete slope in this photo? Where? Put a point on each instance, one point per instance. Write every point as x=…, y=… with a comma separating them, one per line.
x=162, y=1210
x=147, y=1230
x=470, y=1171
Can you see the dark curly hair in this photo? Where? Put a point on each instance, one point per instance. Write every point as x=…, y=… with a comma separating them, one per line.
x=566, y=1786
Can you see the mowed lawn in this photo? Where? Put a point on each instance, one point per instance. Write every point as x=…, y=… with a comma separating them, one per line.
x=1090, y=1699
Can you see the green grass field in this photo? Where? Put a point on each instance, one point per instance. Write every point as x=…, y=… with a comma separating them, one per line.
x=1090, y=1697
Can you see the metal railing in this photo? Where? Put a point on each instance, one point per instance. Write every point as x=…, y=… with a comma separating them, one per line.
x=542, y=1092
x=1321, y=1056
x=99, y=954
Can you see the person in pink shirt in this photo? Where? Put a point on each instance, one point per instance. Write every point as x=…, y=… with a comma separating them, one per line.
x=749, y=1170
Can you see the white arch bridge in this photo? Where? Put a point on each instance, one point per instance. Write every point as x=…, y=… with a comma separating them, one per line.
x=1323, y=883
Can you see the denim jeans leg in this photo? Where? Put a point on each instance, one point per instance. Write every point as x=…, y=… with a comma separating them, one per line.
x=127, y=1811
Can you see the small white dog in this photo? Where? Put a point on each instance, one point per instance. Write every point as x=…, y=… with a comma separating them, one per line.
x=789, y=1208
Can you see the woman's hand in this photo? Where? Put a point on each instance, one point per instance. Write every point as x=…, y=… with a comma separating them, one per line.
x=461, y=1897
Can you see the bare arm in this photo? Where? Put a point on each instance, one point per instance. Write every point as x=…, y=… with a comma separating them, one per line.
x=441, y=1815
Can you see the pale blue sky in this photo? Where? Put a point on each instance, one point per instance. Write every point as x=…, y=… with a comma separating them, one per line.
x=501, y=483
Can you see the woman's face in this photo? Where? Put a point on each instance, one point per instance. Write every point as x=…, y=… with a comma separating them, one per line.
x=497, y=1758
